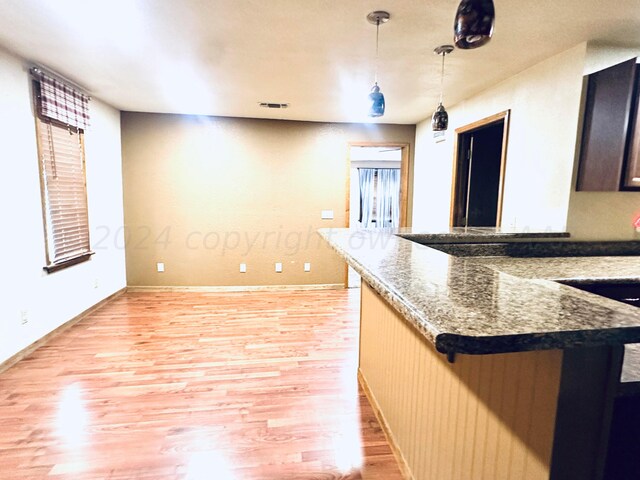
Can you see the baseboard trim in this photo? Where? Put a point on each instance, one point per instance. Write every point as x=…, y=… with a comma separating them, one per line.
x=11, y=361
x=402, y=462
x=239, y=288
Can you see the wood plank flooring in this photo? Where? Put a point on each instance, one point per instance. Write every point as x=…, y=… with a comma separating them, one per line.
x=216, y=386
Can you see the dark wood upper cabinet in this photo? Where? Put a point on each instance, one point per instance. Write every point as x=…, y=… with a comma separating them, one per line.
x=632, y=168
x=605, y=139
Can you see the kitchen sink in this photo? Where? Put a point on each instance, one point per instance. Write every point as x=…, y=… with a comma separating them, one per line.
x=625, y=292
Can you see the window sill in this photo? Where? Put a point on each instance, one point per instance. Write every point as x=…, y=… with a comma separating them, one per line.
x=68, y=263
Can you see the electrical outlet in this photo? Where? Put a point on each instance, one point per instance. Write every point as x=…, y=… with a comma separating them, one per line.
x=307, y=267
x=95, y=283
x=278, y=267
x=243, y=268
x=24, y=317
x=326, y=214
x=160, y=267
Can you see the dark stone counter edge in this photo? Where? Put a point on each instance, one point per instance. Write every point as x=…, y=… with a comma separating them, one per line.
x=449, y=344
x=478, y=238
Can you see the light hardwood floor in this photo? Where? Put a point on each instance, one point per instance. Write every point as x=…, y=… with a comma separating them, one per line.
x=216, y=386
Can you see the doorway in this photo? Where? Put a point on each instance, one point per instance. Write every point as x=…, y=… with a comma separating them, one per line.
x=478, y=177
x=377, y=193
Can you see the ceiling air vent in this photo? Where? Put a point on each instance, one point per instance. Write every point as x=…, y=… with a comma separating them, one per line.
x=273, y=105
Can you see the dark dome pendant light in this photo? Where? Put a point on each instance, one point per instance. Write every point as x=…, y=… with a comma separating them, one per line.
x=440, y=119
x=376, y=97
x=473, y=26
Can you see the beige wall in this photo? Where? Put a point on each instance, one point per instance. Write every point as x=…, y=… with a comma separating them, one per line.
x=203, y=194
x=544, y=102
x=49, y=300
x=603, y=215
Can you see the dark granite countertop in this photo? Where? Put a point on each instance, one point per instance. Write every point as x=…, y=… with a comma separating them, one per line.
x=476, y=235
x=482, y=305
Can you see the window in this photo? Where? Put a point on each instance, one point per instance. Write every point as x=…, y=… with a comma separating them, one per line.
x=60, y=134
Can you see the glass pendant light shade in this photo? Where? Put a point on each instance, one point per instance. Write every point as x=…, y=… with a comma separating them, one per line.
x=474, y=22
x=440, y=119
x=376, y=100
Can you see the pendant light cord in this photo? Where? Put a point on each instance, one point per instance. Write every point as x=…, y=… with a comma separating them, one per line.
x=377, y=38
x=442, y=78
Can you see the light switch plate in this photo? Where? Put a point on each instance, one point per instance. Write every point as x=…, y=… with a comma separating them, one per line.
x=278, y=267
x=243, y=268
x=160, y=267
x=307, y=267
x=327, y=214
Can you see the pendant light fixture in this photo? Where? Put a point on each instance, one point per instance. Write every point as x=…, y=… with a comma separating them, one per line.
x=376, y=98
x=474, y=22
x=440, y=119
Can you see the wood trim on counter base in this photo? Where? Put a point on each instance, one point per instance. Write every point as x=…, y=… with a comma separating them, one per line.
x=11, y=361
x=402, y=462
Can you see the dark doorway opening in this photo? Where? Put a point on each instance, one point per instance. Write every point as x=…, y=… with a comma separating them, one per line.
x=479, y=173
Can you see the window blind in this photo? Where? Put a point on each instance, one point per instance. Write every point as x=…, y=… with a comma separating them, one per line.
x=64, y=192
x=62, y=115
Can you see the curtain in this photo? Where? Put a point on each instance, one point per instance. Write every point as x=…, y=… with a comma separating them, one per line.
x=388, y=198
x=379, y=197
x=58, y=101
x=367, y=195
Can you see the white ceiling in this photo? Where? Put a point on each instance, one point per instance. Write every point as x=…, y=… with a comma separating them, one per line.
x=222, y=57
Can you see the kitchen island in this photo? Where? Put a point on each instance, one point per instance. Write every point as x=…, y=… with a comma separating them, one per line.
x=487, y=367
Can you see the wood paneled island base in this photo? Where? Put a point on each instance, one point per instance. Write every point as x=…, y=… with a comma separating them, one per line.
x=525, y=415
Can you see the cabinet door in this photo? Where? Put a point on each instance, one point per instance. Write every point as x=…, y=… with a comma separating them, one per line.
x=632, y=170
x=606, y=125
